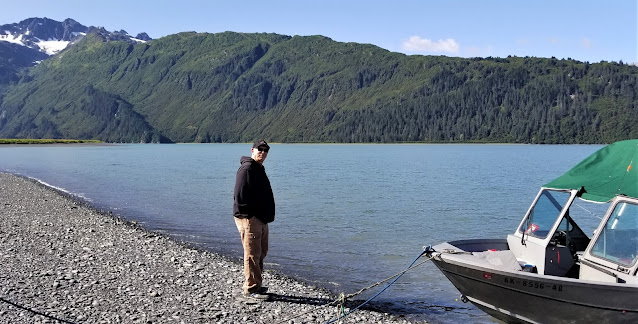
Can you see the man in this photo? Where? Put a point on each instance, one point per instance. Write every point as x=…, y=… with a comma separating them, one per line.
x=254, y=208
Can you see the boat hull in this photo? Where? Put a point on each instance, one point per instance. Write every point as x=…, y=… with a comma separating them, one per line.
x=522, y=297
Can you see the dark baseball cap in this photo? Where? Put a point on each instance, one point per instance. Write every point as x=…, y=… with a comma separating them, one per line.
x=261, y=143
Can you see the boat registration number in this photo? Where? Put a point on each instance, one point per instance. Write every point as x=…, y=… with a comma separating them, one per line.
x=531, y=284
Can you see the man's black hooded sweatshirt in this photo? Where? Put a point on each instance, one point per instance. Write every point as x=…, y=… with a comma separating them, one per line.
x=253, y=194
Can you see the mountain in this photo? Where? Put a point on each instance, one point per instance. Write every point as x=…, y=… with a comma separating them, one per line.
x=43, y=34
x=32, y=40
x=234, y=87
x=50, y=36
x=29, y=42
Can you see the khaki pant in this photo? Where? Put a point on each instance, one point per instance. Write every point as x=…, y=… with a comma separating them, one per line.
x=254, y=238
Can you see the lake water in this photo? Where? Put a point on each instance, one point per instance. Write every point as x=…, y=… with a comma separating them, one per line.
x=347, y=215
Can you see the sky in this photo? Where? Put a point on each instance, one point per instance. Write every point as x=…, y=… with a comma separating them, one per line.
x=584, y=30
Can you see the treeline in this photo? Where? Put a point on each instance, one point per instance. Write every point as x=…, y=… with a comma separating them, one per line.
x=520, y=100
x=233, y=87
x=45, y=141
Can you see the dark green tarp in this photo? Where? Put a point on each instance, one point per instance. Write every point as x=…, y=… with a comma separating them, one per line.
x=606, y=173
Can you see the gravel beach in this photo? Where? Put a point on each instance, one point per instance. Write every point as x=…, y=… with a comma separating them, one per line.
x=62, y=261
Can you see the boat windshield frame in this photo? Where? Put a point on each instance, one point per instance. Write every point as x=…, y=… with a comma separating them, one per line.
x=550, y=214
x=625, y=238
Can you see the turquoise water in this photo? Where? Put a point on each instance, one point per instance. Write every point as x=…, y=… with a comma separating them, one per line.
x=347, y=215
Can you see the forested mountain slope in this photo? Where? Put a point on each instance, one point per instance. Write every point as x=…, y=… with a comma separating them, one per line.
x=234, y=87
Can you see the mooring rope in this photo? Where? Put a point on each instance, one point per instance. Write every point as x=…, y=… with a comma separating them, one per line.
x=35, y=311
x=398, y=275
x=341, y=300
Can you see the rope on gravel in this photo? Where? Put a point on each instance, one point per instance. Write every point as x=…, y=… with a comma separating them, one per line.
x=34, y=311
x=341, y=301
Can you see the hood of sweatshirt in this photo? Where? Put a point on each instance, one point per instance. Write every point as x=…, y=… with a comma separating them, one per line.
x=246, y=159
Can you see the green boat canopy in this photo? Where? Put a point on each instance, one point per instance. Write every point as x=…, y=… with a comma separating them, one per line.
x=605, y=174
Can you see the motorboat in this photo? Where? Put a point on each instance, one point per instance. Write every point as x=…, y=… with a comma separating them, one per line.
x=550, y=269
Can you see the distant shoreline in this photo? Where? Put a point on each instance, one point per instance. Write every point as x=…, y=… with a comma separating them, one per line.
x=20, y=141
x=32, y=141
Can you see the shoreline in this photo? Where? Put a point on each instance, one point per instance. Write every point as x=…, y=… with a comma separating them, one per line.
x=65, y=261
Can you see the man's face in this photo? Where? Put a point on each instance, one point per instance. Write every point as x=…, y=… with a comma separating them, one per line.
x=259, y=154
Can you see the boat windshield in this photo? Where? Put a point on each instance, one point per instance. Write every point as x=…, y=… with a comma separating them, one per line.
x=543, y=215
x=618, y=241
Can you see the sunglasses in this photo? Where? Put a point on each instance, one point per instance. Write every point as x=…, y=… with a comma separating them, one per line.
x=262, y=149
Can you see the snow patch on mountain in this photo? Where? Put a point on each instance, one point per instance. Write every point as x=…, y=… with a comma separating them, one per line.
x=137, y=40
x=52, y=47
x=8, y=37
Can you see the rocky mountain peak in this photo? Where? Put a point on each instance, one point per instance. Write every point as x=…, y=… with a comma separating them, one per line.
x=143, y=36
x=50, y=36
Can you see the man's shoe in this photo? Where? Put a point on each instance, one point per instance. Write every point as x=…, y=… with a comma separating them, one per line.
x=256, y=296
x=262, y=290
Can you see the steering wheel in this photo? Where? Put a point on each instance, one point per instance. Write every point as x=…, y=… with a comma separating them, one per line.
x=559, y=238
